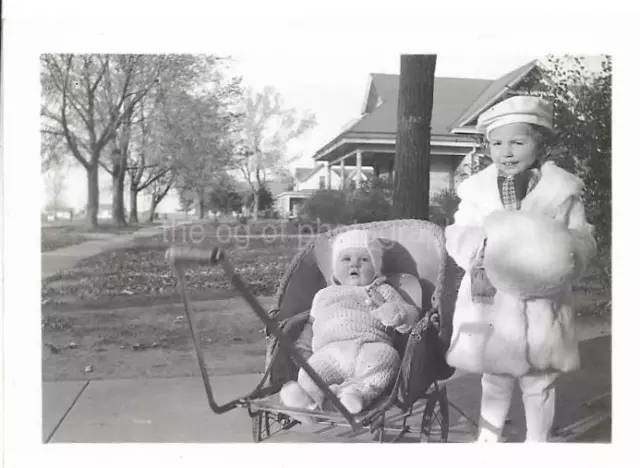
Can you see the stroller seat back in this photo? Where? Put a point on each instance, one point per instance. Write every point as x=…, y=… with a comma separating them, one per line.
x=415, y=261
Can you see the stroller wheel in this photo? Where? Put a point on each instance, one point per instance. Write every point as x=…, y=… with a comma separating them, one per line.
x=265, y=424
x=435, y=418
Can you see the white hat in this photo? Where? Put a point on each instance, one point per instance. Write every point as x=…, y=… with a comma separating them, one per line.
x=527, y=254
x=518, y=109
x=356, y=238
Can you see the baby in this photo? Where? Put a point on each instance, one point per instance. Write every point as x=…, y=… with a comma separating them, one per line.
x=352, y=322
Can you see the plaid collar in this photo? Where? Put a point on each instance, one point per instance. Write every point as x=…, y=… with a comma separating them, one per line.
x=513, y=188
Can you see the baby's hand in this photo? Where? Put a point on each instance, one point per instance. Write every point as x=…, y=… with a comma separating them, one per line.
x=389, y=315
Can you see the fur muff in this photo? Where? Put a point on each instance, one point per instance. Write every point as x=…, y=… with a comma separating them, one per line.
x=527, y=254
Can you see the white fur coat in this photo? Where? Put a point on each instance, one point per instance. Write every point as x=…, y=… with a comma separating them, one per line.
x=512, y=335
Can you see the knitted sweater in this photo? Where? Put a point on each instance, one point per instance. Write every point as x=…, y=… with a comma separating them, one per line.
x=344, y=313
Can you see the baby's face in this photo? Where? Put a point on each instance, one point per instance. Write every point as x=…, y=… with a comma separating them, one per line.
x=513, y=148
x=354, y=267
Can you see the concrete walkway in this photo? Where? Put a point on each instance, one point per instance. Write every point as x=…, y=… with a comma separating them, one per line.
x=176, y=409
x=65, y=258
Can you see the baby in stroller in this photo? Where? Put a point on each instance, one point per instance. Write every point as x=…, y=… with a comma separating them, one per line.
x=352, y=322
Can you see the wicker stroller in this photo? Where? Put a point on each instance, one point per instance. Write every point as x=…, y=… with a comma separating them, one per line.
x=416, y=264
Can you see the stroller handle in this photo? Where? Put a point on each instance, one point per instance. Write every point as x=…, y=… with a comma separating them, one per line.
x=187, y=255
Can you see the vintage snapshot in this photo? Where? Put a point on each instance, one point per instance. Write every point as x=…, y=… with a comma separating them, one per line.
x=236, y=249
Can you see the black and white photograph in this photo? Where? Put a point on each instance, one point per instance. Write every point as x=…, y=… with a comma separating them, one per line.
x=252, y=243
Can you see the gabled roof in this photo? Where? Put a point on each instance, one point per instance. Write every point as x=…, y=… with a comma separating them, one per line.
x=492, y=93
x=50, y=207
x=303, y=174
x=451, y=97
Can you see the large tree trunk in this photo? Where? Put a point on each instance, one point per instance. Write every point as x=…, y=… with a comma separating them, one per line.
x=412, y=165
x=117, y=208
x=93, y=196
x=133, y=205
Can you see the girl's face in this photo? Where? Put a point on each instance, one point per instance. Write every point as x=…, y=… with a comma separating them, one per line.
x=513, y=148
x=354, y=267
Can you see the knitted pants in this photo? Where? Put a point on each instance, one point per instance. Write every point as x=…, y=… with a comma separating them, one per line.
x=538, y=396
x=364, y=368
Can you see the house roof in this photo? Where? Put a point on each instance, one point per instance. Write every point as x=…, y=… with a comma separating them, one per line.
x=493, y=92
x=456, y=102
x=451, y=97
x=274, y=186
x=303, y=174
x=297, y=193
x=50, y=207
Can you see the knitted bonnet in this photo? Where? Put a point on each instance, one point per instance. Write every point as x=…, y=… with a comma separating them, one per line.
x=356, y=238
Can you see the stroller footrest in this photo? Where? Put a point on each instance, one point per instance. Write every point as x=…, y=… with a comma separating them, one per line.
x=273, y=404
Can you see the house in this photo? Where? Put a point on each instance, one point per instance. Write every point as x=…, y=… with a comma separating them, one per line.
x=308, y=180
x=370, y=140
x=57, y=213
x=305, y=182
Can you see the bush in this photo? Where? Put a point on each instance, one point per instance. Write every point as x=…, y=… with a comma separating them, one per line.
x=443, y=206
x=371, y=202
x=330, y=206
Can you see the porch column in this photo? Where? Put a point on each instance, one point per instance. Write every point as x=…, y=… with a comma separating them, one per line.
x=358, y=167
x=328, y=176
x=342, y=174
x=391, y=169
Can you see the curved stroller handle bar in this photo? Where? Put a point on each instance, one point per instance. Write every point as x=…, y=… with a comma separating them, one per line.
x=180, y=257
x=186, y=255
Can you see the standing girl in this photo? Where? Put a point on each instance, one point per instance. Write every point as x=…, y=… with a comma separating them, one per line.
x=521, y=236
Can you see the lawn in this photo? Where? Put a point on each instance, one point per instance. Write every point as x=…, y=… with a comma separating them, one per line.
x=57, y=237
x=139, y=274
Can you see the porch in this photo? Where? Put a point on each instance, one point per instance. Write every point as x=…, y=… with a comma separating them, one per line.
x=448, y=156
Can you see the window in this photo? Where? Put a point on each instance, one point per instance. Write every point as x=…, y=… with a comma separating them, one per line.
x=322, y=183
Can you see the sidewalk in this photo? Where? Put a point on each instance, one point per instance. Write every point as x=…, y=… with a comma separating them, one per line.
x=65, y=258
x=176, y=409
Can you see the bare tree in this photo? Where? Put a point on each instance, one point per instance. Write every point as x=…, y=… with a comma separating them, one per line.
x=413, y=146
x=158, y=190
x=147, y=164
x=268, y=128
x=86, y=98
